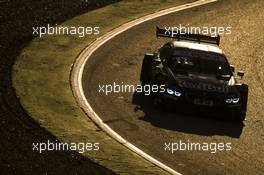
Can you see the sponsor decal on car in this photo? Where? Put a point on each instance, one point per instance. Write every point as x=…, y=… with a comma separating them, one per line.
x=203, y=86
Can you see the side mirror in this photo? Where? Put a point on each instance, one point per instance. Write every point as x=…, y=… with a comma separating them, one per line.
x=156, y=54
x=232, y=68
x=241, y=74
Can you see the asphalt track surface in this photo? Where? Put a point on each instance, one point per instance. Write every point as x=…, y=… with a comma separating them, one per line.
x=134, y=118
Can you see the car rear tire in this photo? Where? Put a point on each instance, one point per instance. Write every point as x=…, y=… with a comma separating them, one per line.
x=243, y=90
x=239, y=116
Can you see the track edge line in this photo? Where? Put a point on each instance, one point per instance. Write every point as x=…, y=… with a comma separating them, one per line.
x=78, y=67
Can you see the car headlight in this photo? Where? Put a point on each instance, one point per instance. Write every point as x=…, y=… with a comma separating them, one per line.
x=232, y=100
x=174, y=92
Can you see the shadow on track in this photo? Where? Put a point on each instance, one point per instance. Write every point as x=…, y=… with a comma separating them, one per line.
x=186, y=120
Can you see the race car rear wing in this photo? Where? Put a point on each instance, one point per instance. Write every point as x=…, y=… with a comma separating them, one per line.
x=187, y=36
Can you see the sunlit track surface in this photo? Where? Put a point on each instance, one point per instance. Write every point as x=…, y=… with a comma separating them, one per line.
x=134, y=118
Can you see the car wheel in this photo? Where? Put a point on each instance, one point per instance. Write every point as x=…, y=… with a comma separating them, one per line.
x=239, y=116
x=146, y=69
x=158, y=103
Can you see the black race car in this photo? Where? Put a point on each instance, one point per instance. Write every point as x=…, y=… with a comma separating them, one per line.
x=195, y=72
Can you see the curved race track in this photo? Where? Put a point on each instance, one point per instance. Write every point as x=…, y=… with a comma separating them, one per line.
x=135, y=119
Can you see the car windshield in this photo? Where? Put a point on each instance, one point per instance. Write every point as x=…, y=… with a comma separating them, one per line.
x=192, y=61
